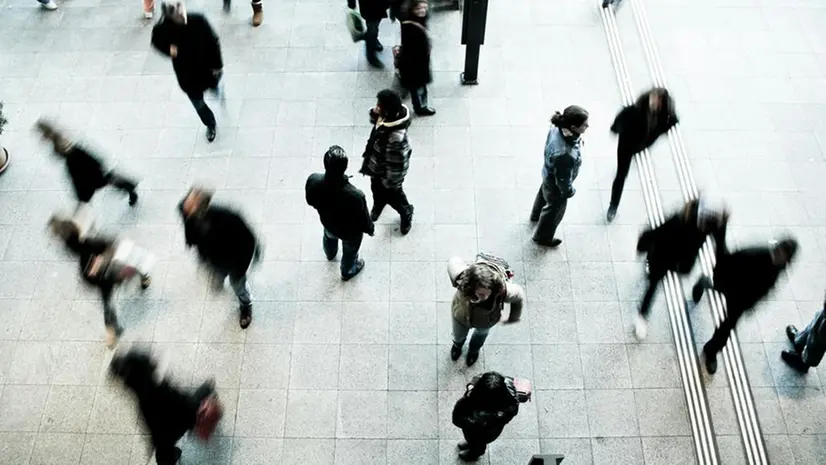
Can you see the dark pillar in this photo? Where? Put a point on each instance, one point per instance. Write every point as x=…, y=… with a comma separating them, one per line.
x=473, y=37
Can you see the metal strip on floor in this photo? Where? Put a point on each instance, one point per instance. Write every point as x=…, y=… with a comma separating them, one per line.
x=750, y=431
x=697, y=402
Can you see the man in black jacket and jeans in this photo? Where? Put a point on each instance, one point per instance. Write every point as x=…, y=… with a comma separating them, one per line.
x=224, y=241
x=342, y=209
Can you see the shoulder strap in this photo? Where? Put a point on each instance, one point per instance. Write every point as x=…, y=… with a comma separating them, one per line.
x=417, y=25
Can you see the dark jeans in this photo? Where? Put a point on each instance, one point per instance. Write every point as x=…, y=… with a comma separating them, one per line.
x=654, y=278
x=371, y=38
x=206, y=115
x=624, y=158
x=349, y=252
x=239, y=286
x=418, y=97
x=383, y=196
x=734, y=310
x=548, y=209
x=110, y=316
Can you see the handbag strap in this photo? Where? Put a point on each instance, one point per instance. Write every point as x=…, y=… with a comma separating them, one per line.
x=417, y=25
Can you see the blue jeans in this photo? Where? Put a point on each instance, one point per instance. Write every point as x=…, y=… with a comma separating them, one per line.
x=477, y=339
x=349, y=251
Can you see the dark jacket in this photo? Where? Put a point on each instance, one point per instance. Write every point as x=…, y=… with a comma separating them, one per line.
x=414, y=61
x=223, y=238
x=673, y=246
x=199, y=52
x=744, y=276
x=88, y=249
x=387, y=154
x=635, y=131
x=482, y=425
x=371, y=10
x=86, y=171
x=562, y=162
x=341, y=206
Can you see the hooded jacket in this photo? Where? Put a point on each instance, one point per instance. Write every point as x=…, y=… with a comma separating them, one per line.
x=199, y=52
x=562, y=162
x=387, y=154
x=223, y=238
x=341, y=206
x=86, y=172
x=636, y=132
x=485, y=424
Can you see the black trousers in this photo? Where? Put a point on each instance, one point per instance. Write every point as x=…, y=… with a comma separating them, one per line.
x=121, y=182
x=624, y=157
x=371, y=38
x=654, y=278
x=418, y=96
x=383, y=196
x=548, y=210
x=167, y=453
x=206, y=115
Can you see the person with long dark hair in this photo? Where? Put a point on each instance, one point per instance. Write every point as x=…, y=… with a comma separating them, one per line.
x=559, y=170
x=387, y=157
x=414, y=59
x=638, y=127
x=490, y=402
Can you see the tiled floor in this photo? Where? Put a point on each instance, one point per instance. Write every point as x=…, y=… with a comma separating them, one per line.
x=358, y=372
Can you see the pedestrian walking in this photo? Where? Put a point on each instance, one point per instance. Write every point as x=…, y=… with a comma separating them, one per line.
x=744, y=277
x=559, y=171
x=257, y=11
x=225, y=242
x=673, y=246
x=808, y=345
x=638, y=127
x=490, y=402
x=414, y=57
x=342, y=209
x=482, y=290
x=86, y=170
x=386, y=157
x=193, y=46
x=373, y=11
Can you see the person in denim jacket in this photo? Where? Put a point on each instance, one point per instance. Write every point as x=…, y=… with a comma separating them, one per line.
x=561, y=167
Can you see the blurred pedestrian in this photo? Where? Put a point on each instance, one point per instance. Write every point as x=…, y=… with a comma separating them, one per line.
x=638, y=126
x=193, y=46
x=148, y=9
x=387, y=157
x=744, y=277
x=808, y=345
x=482, y=290
x=414, y=58
x=257, y=11
x=48, y=4
x=225, y=242
x=342, y=209
x=559, y=171
x=373, y=11
x=86, y=171
x=490, y=402
x=673, y=246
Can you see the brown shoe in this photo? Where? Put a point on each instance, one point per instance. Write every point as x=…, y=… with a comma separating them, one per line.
x=257, y=14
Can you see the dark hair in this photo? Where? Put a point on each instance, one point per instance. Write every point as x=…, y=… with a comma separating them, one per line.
x=390, y=103
x=335, y=161
x=572, y=116
x=476, y=276
x=490, y=391
x=135, y=368
x=408, y=5
x=667, y=103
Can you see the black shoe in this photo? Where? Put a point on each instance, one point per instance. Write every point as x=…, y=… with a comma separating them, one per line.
x=472, y=357
x=612, y=213
x=551, y=243
x=711, y=361
x=463, y=445
x=359, y=267
x=210, y=134
x=246, y=316
x=425, y=111
x=375, y=62
x=133, y=198
x=407, y=222
x=791, y=333
x=455, y=352
x=699, y=289
x=375, y=213
x=379, y=46
x=794, y=360
x=605, y=3
x=467, y=456
x=533, y=219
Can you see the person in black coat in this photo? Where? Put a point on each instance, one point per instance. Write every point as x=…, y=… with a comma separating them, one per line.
x=373, y=11
x=167, y=411
x=414, y=60
x=225, y=242
x=196, y=56
x=85, y=170
x=673, y=246
x=744, y=277
x=638, y=126
x=342, y=209
x=490, y=402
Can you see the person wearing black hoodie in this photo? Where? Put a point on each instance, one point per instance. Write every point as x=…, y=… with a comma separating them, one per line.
x=489, y=403
x=673, y=246
x=638, y=126
x=85, y=170
x=342, y=209
x=414, y=60
x=386, y=157
x=193, y=46
x=744, y=277
x=225, y=242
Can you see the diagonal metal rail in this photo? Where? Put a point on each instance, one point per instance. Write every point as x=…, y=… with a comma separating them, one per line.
x=750, y=431
x=698, y=409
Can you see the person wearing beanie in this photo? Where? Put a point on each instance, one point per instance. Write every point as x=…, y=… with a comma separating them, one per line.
x=560, y=169
x=342, y=210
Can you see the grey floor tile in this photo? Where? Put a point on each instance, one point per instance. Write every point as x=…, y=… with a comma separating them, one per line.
x=653, y=365
x=557, y=366
x=21, y=407
x=661, y=412
x=67, y=409
x=363, y=367
x=101, y=449
x=779, y=449
x=256, y=451
x=564, y=414
x=670, y=450
x=413, y=323
x=553, y=323
x=513, y=451
x=357, y=451
x=311, y=414
x=412, y=415
x=413, y=451
x=114, y=411
x=362, y=414
x=605, y=366
x=314, y=367
x=808, y=449
x=17, y=447
x=792, y=401
x=576, y=451
x=57, y=448
x=318, y=322
x=617, y=451
x=365, y=322
x=266, y=366
x=299, y=451
x=223, y=362
x=612, y=413
x=412, y=367
x=217, y=450
x=261, y=413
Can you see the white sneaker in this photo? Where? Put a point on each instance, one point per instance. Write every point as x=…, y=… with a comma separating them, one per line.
x=50, y=5
x=148, y=14
x=641, y=328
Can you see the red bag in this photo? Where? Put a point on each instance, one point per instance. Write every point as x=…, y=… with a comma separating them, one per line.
x=209, y=414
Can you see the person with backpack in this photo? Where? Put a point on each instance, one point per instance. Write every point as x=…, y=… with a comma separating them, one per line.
x=490, y=402
x=414, y=56
x=482, y=290
x=809, y=345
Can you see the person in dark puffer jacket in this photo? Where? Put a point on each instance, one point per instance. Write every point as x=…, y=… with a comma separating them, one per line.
x=639, y=126
x=342, y=209
x=490, y=402
x=387, y=157
x=85, y=170
x=225, y=242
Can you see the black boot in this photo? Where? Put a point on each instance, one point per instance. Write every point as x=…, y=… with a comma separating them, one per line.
x=133, y=198
x=794, y=360
x=210, y=133
x=455, y=352
x=472, y=357
x=407, y=221
x=791, y=333
x=612, y=213
x=375, y=212
x=246, y=316
x=699, y=289
x=711, y=360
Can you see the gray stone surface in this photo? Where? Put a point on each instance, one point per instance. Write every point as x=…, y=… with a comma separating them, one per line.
x=358, y=372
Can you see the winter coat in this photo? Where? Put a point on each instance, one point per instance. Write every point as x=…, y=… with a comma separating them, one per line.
x=632, y=126
x=387, y=154
x=87, y=249
x=86, y=171
x=672, y=246
x=562, y=162
x=341, y=206
x=414, y=60
x=199, y=52
x=488, y=313
x=371, y=10
x=482, y=425
x=223, y=238
x=744, y=276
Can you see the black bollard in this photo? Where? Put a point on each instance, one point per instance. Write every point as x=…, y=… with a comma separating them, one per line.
x=546, y=460
x=473, y=36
